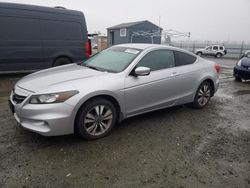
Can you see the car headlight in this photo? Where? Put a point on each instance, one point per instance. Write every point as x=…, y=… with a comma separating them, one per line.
x=52, y=98
x=239, y=63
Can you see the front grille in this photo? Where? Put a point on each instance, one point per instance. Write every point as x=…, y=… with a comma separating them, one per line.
x=18, y=98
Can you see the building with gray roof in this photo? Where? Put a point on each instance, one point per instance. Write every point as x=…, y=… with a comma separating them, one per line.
x=134, y=32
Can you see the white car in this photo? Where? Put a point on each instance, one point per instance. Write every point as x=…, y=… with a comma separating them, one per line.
x=214, y=50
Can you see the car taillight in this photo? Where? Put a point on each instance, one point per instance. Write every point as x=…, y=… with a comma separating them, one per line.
x=87, y=49
x=217, y=67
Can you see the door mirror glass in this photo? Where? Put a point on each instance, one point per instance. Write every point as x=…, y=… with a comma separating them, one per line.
x=142, y=71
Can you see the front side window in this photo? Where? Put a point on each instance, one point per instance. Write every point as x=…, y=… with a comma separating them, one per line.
x=209, y=48
x=182, y=58
x=157, y=60
x=114, y=59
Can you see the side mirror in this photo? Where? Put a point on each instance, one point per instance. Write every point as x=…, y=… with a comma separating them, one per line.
x=142, y=71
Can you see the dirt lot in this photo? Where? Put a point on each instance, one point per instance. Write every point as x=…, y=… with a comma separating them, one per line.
x=176, y=147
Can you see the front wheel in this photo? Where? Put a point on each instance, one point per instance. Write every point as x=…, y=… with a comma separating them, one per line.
x=203, y=95
x=95, y=119
x=199, y=54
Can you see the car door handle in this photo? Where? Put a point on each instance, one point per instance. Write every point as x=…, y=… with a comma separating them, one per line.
x=174, y=74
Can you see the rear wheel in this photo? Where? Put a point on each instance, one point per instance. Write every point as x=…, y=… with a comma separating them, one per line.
x=95, y=119
x=61, y=61
x=203, y=95
x=218, y=55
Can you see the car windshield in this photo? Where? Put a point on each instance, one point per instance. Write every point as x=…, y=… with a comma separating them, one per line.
x=114, y=59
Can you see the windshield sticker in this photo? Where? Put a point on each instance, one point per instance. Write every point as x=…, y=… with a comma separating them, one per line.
x=132, y=51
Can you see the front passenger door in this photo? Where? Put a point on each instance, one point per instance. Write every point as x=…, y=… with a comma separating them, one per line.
x=208, y=50
x=157, y=90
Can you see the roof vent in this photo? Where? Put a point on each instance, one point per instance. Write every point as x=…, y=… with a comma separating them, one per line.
x=59, y=7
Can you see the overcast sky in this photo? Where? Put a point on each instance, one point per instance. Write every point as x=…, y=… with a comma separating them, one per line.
x=205, y=19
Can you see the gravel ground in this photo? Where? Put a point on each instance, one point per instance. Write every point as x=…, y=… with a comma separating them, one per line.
x=176, y=147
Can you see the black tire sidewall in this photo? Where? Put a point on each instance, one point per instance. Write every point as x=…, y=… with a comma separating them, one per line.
x=79, y=126
x=196, y=103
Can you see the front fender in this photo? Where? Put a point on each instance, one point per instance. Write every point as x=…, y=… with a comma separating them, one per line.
x=117, y=96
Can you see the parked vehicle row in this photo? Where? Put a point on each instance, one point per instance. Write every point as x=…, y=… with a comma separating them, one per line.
x=123, y=81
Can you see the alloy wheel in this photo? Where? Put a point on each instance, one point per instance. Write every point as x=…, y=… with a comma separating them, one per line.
x=204, y=95
x=98, y=120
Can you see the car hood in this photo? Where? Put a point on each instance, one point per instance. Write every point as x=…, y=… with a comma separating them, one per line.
x=50, y=77
x=245, y=61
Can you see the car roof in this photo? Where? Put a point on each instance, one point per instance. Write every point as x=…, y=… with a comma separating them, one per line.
x=215, y=45
x=141, y=46
x=145, y=46
x=38, y=8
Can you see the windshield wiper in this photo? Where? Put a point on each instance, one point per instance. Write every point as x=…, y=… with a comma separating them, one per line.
x=97, y=68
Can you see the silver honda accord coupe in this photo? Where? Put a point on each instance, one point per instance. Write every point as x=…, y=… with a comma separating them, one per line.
x=120, y=82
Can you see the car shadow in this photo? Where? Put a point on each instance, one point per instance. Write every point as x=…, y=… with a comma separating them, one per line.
x=42, y=141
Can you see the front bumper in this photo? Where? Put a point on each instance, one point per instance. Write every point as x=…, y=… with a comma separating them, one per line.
x=241, y=72
x=45, y=119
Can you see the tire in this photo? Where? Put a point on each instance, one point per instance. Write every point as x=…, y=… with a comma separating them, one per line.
x=199, y=54
x=238, y=79
x=62, y=61
x=95, y=119
x=203, y=95
x=218, y=55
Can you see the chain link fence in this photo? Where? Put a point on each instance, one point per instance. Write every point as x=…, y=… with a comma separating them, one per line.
x=234, y=49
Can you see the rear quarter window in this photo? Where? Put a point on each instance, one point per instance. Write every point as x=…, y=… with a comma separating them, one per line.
x=182, y=58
